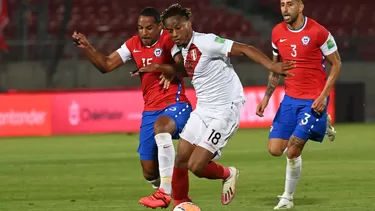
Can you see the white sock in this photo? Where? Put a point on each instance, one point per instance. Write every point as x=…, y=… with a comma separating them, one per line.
x=155, y=183
x=293, y=173
x=166, y=156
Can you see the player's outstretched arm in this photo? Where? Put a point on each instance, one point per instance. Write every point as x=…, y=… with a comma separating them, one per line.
x=179, y=65
x=240, y=49
x=165, y=78
x=103, y=63
x=273, y=82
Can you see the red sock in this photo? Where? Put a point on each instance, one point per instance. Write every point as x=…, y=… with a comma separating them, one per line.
x=180, y=184
x=215, y=171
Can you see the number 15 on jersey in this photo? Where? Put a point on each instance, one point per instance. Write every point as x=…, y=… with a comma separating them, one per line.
x=146, y=61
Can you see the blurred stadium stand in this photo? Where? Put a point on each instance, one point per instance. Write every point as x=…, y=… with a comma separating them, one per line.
x=116, y=19
x=36, y=27
x=98, y=19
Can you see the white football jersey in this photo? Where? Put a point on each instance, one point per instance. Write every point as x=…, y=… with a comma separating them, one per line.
x=206, y=60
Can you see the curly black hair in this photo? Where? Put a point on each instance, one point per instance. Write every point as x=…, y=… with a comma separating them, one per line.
x=176, y=9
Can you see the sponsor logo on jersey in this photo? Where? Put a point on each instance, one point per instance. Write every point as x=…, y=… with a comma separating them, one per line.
x=305, y=40
x=158, y=52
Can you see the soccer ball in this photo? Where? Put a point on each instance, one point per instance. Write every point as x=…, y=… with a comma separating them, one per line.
x=187, y=206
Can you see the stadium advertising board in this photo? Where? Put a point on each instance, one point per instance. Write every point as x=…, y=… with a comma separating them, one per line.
x=92, y=112
x=25, y=115
x=106, y=112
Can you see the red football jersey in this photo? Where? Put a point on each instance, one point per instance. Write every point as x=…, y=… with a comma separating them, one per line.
x=155, y=97
x=308, y=47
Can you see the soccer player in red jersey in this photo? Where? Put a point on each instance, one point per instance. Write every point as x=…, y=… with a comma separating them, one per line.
x=303, y=112
x=166, y=111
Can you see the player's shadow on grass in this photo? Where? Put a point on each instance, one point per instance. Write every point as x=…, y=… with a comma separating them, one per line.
x=272, y=201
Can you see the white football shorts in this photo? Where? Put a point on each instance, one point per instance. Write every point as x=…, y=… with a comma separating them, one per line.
x=211, y=128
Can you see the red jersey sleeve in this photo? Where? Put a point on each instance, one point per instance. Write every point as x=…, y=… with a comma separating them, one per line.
x=322, y=35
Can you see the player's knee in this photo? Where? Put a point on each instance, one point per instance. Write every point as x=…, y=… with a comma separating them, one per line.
x=293, y=153
x=184, y=151
x=295, y=147
x=275, y=151
x=276, y=147
x=164, y=124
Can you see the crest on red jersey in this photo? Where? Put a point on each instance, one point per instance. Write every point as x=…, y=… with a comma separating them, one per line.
x=305, y=40
x=158, y=52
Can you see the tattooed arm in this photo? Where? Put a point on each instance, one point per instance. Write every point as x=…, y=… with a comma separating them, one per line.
x=273, y=81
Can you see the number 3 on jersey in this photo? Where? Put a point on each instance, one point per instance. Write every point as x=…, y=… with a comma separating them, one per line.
x=146, y=61
x=294, y=49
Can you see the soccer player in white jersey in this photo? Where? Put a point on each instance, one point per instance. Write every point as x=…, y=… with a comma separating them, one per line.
x=220, y=96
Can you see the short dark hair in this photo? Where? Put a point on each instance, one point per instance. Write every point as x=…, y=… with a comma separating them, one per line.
x=151, y=12
x=176, y=9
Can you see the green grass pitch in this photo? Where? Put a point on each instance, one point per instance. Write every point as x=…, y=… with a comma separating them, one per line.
x=102, y=173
